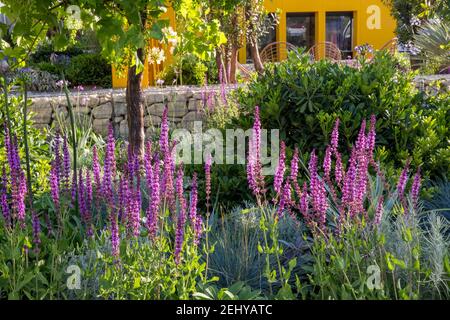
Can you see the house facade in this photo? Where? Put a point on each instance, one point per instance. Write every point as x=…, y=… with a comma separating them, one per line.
x=304, y=23
x=346, y=23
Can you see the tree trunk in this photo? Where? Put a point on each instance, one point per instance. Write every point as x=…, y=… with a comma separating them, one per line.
x=221, y=65
x=233, y=64
x=135, y=108
x=256, y=57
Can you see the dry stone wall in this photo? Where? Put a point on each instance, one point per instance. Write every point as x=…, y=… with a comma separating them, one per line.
x=185, y=105
x=104, y=106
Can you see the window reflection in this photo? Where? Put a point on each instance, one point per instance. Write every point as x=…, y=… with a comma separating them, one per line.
x=300, y=29
x=267, y=38
x=339, y=28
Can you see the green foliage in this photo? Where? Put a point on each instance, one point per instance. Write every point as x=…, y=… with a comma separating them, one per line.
x=410, y=14
x=440, y=199
x=398, y=260
x=433, y=39
x=38, y=146
x=48, y=67
x=193, y=26
x=43, y=52
x=193, y=70
x=89, y=69
x=237, y=291
x=42, y=81
x=147, y=271
x=303, y=99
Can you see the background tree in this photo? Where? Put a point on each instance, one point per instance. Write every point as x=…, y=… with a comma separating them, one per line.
x=241, y=21
x=411, y=14
x=123, y=28
x=259, y=22
x=197, y=34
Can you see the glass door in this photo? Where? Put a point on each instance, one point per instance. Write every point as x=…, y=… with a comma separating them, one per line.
x=267, y=38
x=301, y=29
x=339, y=29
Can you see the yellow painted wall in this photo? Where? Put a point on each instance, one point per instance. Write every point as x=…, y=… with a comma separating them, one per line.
x=150, y=70
x=362, y=34
x=375, y=36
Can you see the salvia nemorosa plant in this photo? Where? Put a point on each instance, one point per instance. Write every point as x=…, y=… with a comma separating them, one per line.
x=343, y=186
x=14, y=208
x=116, y=191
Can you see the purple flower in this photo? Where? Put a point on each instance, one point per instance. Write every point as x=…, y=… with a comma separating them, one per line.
x=379, y=211
x=88, y=199
x=66, y=167
x=115, y=238
x=294, y=172
x=208, y=181
x=327, y=162
x=348, y=185
x=294, y=165
x=167, y=178
x=74, y=187
x=318, y=192
x=370, y=141
x=132, y=210
x=193, y=214
x=54, y=187
x=254, y=168
x=415, y=188
x=304, y=202
x=401, y=185
x=279, y=173
x=335, y=136
x=4, y=199
x=361, y=140
x=81, y=196
x=360, y=186
x=121, y=214
x=153, y=209
x=109, y=167
x=36, y=231
x=285, y=200
x=338, y=171
x=179, y=237
x=17, y=181
x=135, y=210
x=96, y=169
x=148, y=164
x=58, y=161
x=164, y=136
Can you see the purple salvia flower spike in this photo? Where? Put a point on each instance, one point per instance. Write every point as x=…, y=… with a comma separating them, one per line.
x=179, y=236
x=335, y=136
x=279, y=173
x=415, y=188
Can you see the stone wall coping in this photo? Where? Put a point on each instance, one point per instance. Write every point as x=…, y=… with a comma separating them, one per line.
x=121, y=91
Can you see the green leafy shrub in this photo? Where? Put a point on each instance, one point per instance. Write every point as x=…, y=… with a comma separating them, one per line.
x=193, y=72
x=38, y=145
x=48, y=67
x=89, y=69
x=399, y=260
x=44, y=51
x=302, y=99
x=42, y=81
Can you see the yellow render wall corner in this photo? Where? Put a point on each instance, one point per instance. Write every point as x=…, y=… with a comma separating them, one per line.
x=150, y=70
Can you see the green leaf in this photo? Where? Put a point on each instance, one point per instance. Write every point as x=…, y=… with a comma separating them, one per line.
x=137, y=283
